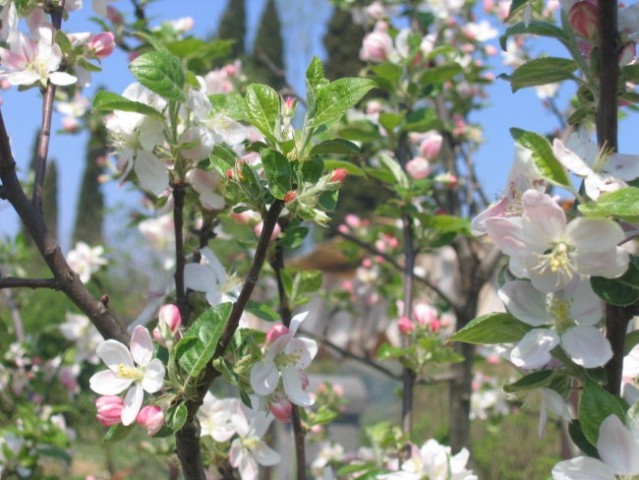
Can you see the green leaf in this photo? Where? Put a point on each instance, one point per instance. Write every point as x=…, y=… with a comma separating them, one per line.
x=154, y=40
x=315, y=77
x=278, y=172
x=622, y=204
x=351, y=168
x=336, y=98
x=536, y=27
x=517, y=7
x=161, y=73
x=262, y=108
x=631, y=341
x=324, y=416
x=596, y=404
x=336, y=146
x=541, y=71
x=196, y=349
x=533, y=380
x=441, y=73
x=422, y=120
x=293, y=237
x=262, y=310
x=542, y=155
x=176, y=417
x=393, y=166
x=390, y=120
x=390, y=72
x=231, y=104
x=620, y=291
x=492, y=328
x=578, y=437
x=108, y=101
x=630, y=73
x=117, y=432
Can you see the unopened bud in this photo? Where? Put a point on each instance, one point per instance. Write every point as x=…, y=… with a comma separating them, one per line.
x=405, y=325
x=290, y=196
x=151, y=418
x=275, y=332
x=109, y=410
x=339, y=175
x=281, y=408
x=584, y=19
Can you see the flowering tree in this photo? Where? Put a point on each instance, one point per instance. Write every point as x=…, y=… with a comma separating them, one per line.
x=229, y=172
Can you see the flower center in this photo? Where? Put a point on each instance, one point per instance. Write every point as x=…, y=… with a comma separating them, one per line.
x=558, y=260
x=283, y=360
x=560, y=310
x=251, y=443
x=130, y=373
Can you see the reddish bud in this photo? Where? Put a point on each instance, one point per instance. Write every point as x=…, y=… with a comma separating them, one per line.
x=405, y=325
x=151, y=418
x=281, y=408
x=114, y=15
x=290, y=196
x=275, y=332
x=109, y=410
x=101, y=44
x=584, y=19
x=230, y=174
x=339, y=175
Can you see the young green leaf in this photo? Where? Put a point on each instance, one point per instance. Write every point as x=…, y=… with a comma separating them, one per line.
x=533, y=380
x=541, y=71
x=622, y=204
x=161, y=73
x=336, y=98
x=492, y=328
x=108, y=101
x=596, y=404
x=542, y=155
x=278, y=172
x=262, y=108
x=535, y=27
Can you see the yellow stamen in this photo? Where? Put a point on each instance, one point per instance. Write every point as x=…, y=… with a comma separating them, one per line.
x=130, y=373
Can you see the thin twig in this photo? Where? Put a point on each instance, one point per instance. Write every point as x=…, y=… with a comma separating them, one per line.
x=178, y=223
x=15, y=282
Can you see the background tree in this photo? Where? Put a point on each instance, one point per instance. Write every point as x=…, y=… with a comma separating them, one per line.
x=267, y=64
x=233, y=27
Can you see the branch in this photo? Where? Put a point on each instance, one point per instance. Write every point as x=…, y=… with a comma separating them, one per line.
x=14, y=282
x=178, y=222
x=188, y=438
x=106, y=323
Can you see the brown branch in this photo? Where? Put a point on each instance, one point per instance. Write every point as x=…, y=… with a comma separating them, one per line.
x=179, y=193
x=106, y=323
x=188, y=438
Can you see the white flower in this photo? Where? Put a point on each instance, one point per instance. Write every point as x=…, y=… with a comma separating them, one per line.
x=209, y=277
x=215, y=416
x=285, y=356
x=545, y=248
x=80, y=330
x=573, y=313
x=135, y=368
x=249, y=450
x=85, y=260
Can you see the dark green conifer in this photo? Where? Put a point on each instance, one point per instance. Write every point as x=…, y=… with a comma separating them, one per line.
x=233, y=26
x=343, y=41
x=268, y=49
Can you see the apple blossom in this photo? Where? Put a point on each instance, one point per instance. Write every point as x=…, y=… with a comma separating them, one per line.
x=285, y=357
x=574, y=312
x=549, y=251
x=101, y=45
x=215, y=417
x=151, y=417
x=205, y=184
x=248, y=450
x=584, y=19
x=418, y=168
x=79, y=330
x=377, y=45
x=85, y=260
x=281, y=408
x=133, y=369
x=209, y=277
x=109, y=410
x=169, y=321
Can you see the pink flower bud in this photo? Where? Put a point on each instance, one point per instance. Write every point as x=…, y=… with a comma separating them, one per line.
x=584, y=19
x=109, y=410
x=431, y=145
x=377, y=45
x=70, y=124
x=425, y=314
x=418, y=168
x=113, y=15
x=275, y=332
x=277, y=231
x=628, y=54
x=169, y=318
x=339, y=175
x=281, y=408
x=101, y=44
x=151, y=418
x=405, y=325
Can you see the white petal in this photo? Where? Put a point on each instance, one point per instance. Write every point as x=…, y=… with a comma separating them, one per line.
x=586, y=346
x=293, y=388
x=264, y=377
x=151, y=172
x=533, y=351
x=107, y=383
x=304, y=348
x=141, y=346
x=132, y=404
x=153, y=376
x=114, y=353
x=266, y=456
x=525, y=302
x=623, y=166
x=582, y=468
x=507, y=234
x=543, y=216
x=296, y=321
x=617, y=447
x=586, y=308
x=570, y=159
x=62, y=79
x=199, y=277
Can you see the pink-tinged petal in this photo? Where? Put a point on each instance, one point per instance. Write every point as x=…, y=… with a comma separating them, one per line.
x=304, y=348
x=153, y=376
x=264, y=377
x=141, y=346
x=586, y=308
x=570, y=159
x=533, y=351
x=586, y=346
x=293, y=388
x=114, y=353
x=132, y=404
x=152, y=173
x=623, y=166
x=107, y=383
x=582, y=468
x=507, y=234
x=266, y=456
x=543, y=216
x=617, y=447
x=498, y=209
x=525, y=302
x=594, y=234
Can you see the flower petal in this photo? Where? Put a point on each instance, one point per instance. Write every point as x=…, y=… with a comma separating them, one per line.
x=153, y=376
x=132, y=404
x=141, y=346
x=106, y=382
x=114, y=353
x=264, y=377
x=533, y=351
x=617, y=447
x=586, y=346
x=266, y=456
x=525, y=302
x=582, y=468
x=293, y=388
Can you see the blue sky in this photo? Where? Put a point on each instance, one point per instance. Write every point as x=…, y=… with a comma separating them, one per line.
x=304, y=23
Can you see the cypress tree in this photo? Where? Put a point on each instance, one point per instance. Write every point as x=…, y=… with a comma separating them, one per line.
x=233, y=26
x=90, y=210
x=268, y=49
x=343, y=40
